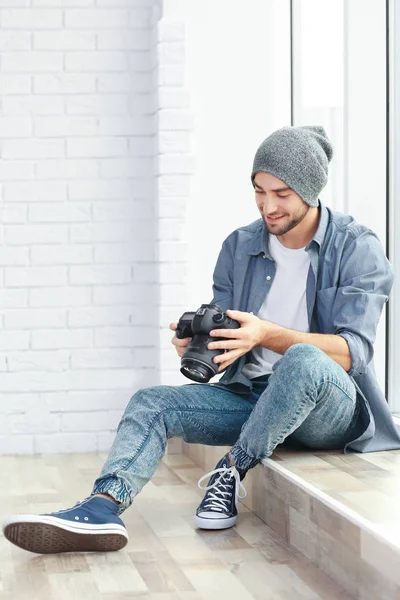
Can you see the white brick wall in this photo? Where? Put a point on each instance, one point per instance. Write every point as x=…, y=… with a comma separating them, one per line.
x=175, y=167
x=94, y=179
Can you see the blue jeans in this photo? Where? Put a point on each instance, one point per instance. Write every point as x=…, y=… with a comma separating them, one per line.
x=309, y=399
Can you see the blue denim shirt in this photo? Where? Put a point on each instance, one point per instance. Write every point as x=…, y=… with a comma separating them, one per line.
x=348, y=283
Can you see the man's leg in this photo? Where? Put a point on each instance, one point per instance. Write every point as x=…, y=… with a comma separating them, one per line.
x=310, y=398
x=199, y=413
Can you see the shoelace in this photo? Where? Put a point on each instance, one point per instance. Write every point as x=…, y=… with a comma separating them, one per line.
x=68, y=509
x=224, y=485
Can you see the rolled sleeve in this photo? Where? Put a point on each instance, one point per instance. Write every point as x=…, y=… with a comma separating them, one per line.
x=366, y=279
x=360, y=352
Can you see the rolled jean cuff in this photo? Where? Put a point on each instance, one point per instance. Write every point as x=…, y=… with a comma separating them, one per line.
x=241, y=459
x=115, y=488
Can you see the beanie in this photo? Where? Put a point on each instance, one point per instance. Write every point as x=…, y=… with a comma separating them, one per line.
x=298, y=156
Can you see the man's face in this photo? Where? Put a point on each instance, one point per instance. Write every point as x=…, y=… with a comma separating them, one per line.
x=280, y=207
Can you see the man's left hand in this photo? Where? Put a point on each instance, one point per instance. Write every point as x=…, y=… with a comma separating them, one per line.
x=240, y=341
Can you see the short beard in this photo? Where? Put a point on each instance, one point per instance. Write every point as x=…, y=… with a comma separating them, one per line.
x=294, y=221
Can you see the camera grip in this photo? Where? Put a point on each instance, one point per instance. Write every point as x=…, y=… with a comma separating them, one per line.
x=183, y=332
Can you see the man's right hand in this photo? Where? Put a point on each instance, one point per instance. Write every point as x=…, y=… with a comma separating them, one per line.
x=180, y=345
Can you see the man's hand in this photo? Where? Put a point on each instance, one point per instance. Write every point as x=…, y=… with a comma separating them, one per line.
x=256, y=332
x=180, y=345
x=240, y=341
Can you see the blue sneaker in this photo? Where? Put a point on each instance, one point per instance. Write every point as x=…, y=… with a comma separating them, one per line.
x=218, y=509
x=90, y=526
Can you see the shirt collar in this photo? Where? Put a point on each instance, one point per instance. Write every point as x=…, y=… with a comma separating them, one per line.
x=259, y=243
x=322, y=226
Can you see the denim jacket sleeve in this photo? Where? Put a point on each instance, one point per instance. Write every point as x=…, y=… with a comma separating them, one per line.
x=366, y=278
x=223, y=276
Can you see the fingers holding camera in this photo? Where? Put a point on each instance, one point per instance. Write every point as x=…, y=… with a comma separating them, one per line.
x=232, y=348
x=250, y=334
x=240, y=341
x=180, y=345
x=226, y=359
x=228, y=345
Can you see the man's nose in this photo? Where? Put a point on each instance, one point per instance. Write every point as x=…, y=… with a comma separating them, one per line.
x=270, y=207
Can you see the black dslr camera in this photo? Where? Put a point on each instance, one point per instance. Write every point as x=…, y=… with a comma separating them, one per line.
x=197, y=362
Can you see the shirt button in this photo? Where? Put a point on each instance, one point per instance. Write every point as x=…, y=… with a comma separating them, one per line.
x=264, y=256
x=269, y=278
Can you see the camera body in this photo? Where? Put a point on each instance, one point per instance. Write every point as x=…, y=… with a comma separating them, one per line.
x=197, y=362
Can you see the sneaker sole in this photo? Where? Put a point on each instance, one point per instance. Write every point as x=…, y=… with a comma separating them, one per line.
x=203, y=523
x=49, y=536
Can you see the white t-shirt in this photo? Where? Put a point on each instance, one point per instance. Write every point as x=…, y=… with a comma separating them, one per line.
x=285, y=303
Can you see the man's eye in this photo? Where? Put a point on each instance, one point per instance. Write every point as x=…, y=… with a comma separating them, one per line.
x=283, y=195
x=259, y=192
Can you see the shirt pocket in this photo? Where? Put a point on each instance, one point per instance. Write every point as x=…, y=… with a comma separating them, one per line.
x=325, y=302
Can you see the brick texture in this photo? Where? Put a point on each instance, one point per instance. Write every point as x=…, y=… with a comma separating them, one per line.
x=95, y=138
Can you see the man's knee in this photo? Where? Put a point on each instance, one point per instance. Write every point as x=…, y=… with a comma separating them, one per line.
x=157, y=405
x=302, y=356
x=154, y=397
x=304, y=352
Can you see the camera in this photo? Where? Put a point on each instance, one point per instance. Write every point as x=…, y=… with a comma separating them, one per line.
x=197, y=362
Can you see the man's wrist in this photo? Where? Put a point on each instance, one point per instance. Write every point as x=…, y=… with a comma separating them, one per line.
x=269, y=332
x=278, y=338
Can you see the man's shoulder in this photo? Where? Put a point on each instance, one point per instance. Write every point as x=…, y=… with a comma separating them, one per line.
x=247, y=239
x=346, y=225
x=251, y=228
x=247, y=231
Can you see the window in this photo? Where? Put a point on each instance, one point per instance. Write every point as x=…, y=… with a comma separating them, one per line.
x=339, y=59
x=394, y=206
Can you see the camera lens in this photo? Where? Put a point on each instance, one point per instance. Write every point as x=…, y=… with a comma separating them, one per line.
x=196, y=370
x=195, y=373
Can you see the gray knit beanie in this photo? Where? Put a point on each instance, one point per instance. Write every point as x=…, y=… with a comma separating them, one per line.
x=299, y=156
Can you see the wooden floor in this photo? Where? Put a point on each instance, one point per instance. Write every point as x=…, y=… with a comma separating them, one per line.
x=166, y=558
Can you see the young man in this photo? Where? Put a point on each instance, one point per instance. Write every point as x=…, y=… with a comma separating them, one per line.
x=308, y=286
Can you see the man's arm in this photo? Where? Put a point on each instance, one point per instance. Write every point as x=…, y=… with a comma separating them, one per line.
x=366, y=278
x=222, y=291
x=256, y=332
x=351, y=320
x=279, y=339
